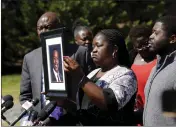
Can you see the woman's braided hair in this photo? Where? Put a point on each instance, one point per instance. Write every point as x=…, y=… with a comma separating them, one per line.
x=115, y=38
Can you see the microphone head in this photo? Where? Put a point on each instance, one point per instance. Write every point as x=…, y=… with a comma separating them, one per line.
x=8, y=98
x=46, y=122
x=47, y=110
x=8, y=104
x=35, y=101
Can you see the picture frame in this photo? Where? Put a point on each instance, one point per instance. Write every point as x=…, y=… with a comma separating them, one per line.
x=53, y=68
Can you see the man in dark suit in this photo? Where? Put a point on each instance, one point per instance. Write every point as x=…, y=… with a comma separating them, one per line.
x=32, y=70
x=32, y=82
x=31, y=79
x=56, y=75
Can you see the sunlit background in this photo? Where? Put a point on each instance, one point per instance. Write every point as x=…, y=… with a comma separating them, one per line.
x=19, y=36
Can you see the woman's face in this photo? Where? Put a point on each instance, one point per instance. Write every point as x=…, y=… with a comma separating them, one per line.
x=102, y=50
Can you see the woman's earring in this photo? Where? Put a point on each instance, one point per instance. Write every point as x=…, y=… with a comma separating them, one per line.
x=172, y=42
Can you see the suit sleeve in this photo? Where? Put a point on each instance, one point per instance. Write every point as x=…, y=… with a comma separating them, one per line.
x=25, y=86
x=80, y=57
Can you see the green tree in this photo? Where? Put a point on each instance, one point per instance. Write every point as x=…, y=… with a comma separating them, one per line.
x=19, y=18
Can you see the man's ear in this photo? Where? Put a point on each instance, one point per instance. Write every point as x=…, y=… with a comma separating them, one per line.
x=173, y=39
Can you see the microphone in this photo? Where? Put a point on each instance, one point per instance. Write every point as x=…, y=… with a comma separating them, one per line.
x=7, y=105
x=27, y=106
x=32, y=116
x=5, y=99
x=45, y=112
x=4, y=118
x=45, y=122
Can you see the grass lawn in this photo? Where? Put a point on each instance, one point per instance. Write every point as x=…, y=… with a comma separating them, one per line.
x=10, y=84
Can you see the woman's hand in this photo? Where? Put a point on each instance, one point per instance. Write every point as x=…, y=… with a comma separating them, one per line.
x=94, y=92
x=72, y=67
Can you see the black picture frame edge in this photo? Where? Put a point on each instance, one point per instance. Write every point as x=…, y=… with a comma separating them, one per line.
x=54, y=94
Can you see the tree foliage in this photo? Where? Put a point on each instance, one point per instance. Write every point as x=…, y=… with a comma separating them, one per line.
x=19, y=19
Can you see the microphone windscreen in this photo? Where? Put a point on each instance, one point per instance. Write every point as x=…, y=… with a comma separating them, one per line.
x=8, y=98
x=47, y=110
x=8, y=104
x=46, y=122
x=35, y=101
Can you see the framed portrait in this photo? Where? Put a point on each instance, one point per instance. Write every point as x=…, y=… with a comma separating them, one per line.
x=54, y=75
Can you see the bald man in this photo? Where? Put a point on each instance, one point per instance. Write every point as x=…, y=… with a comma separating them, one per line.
x=32, y=81
x=32, y=72
x=47, y=21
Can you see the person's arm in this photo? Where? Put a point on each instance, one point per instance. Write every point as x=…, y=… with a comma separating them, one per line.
x=123, y=87
x=25, y=86
x=94, y=92
x=81, y=58
x=116, y=95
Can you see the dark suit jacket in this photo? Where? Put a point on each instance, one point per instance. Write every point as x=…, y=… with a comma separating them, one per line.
x=53, y=78
x=83, y=57
x=31, y=76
